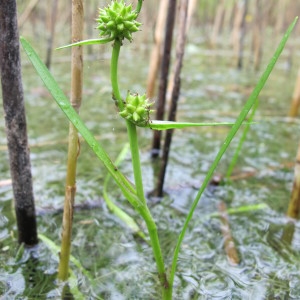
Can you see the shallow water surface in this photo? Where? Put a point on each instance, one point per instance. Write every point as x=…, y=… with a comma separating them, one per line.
x=114, y=263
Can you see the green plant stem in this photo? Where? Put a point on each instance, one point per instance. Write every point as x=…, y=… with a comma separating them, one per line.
x=136, y=163
x=155, y=244
x=165, y=125
x=114, y=73
x=142, y=209
x=241, y=142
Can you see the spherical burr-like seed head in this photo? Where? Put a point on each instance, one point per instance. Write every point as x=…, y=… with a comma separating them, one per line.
x=118, y=21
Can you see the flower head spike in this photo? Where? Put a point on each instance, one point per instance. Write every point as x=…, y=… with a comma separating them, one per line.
x=118, y=21
x=137, y=109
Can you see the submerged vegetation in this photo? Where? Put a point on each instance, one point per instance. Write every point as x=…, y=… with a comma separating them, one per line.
x=176, y=274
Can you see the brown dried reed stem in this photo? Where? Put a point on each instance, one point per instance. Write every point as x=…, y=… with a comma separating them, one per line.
x=229, y=244
x=74, y=146
x=296, y=98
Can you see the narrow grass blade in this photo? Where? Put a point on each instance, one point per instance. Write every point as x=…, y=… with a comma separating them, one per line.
x=87, y=42
x=63, y=102
x=241, y=142
x=242, y=209
x=251, y=100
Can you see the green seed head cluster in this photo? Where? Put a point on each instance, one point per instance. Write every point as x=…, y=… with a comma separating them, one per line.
x=137, y=109
x=118, y=20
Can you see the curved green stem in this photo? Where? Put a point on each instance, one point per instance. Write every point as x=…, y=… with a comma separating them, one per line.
x=131, y=128
x=139, y=6
x=114, y=73
x=142, y=207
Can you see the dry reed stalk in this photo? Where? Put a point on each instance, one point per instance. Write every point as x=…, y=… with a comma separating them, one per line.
x=296, y=98
x=238, y=32
x=192, y=8
x=257, y=36
x=229, y=244
x=52, y=23
x=156, y=53
x=25, y=15
x=294, y=205
x=15, y=122
x=73, y=148
x=282, y=4
x=219, y=18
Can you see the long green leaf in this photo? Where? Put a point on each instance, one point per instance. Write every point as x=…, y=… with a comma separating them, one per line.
x=63, y=102
x=165, y=125
x=243, y=114
x=241, y=142
x=241, y=209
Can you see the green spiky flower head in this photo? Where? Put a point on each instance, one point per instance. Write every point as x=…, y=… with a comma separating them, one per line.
x=137, y=109
x=118, y=20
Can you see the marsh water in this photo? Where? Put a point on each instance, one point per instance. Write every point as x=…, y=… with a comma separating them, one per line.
x=114, y=263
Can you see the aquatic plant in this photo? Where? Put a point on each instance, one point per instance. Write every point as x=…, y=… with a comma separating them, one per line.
x=135, y=110
x=118, y=21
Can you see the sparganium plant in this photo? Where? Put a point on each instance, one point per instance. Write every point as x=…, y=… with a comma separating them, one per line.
x=137, y=109
x=118, y=21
